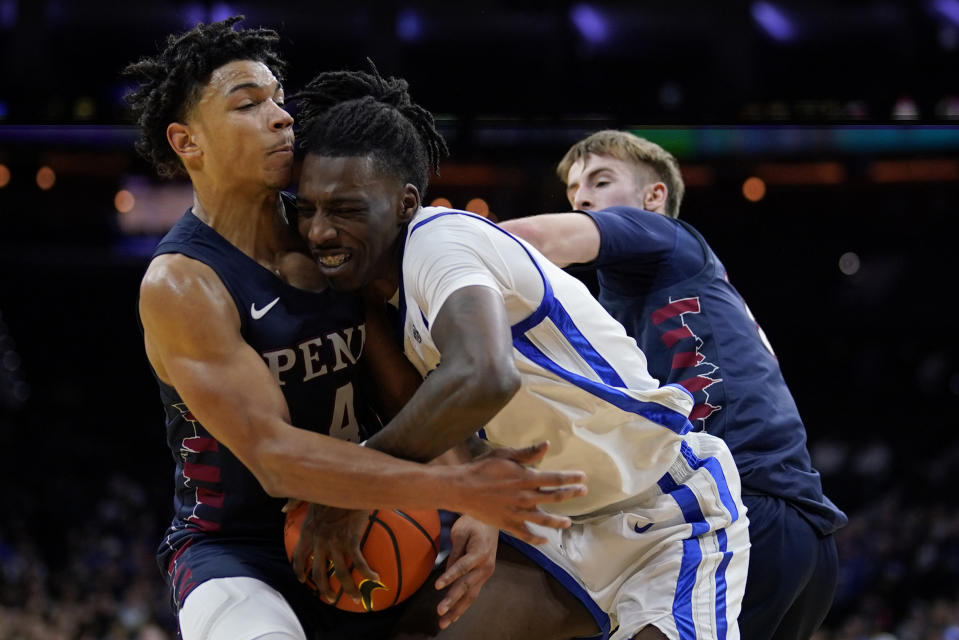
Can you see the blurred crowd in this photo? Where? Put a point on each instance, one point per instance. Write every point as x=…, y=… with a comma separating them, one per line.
x=94, y=578
x=73, y=572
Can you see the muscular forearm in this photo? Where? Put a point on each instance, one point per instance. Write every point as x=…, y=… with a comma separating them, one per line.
x=450, y=406
x=316, y=468
x=564, y=238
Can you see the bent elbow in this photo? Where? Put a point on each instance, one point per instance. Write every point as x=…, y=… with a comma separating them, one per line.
x=267, y=467
x=272, y=485
x=498, y=383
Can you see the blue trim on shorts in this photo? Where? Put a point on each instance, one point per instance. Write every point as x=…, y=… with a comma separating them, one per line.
x=571, y=585
x=692, y=554
x=721, y=626
x=715, y=469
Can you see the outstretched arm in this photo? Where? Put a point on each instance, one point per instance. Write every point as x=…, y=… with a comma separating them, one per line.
x=193, y=341
x=564, y=238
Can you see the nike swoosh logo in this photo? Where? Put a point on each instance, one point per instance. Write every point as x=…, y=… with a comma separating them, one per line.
x=639, y=529
x=259, y=313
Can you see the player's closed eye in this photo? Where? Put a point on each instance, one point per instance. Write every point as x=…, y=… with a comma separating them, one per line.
x=305, y=210
x=346, y=211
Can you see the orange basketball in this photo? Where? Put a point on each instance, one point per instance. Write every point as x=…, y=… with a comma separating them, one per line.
x=401, y=546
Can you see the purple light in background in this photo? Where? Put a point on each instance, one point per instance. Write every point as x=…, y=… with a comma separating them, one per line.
x=220, y=11
x=773, y=21
x=3, y=110
x=948, y=9
x=409, y=25
x=8, y=13
x=120, y=91
x=590, y=23
x=54, y=12
x=193, y=13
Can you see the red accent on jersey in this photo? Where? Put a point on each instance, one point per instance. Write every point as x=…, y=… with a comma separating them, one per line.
x=686, y=359
x=672, y=337
x=675, y=308
x=205, y=525
x=183, y=584
x=697, y=383
x=176, y=556
x=201, y=472
x=702, y=411
x=209, y=498
x=199, y=444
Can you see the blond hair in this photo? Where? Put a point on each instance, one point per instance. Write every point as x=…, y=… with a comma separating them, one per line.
x=630, y=148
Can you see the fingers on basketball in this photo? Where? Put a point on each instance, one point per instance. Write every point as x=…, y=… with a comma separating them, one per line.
x=400, y=546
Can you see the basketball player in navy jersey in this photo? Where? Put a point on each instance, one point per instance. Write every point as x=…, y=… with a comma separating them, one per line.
x=659, y=277
x=258, y=361
x=508, y=342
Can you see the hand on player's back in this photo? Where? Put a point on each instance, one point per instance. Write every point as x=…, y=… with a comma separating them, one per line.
x=506, y=492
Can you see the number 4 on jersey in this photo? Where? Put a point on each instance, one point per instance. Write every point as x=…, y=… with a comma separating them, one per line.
x=344, y=425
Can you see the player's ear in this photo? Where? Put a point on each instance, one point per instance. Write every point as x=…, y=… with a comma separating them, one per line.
x=182, y=141
x=409, y=203
x=654, y=197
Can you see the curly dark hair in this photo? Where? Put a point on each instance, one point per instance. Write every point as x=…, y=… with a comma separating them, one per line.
x=353, y=113
x=170, y=83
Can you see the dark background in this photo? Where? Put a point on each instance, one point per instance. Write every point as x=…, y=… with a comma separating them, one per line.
x=847, y=113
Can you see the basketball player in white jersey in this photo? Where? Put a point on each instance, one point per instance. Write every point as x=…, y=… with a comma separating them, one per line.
x=513, y=347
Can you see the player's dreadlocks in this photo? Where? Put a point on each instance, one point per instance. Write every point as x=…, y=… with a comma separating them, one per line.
x=170, y=83
x=353, y=113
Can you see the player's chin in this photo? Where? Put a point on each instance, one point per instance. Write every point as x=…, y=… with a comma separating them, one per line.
x=279, y=174
x=344, y=277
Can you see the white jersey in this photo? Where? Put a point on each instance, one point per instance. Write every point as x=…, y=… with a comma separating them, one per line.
x=661, y=537
x=585, y=386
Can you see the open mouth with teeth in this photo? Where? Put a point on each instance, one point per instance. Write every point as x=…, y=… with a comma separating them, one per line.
x=331, y=261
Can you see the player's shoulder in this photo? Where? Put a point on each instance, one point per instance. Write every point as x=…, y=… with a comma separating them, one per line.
x=176, y=268
x=454, y=219
x=173, y=277
x=447, y=216
x=625, y=221
x=633, y=214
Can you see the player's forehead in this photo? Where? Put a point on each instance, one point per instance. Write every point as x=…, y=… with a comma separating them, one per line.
x=240, y=75
x=323, y=177
x=594, y=164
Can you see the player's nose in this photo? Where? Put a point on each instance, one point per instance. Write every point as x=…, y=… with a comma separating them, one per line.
x=280, y=118
x=320, y=230
x=582, y=201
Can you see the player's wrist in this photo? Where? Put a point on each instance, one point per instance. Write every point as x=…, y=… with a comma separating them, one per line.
x=451, y=486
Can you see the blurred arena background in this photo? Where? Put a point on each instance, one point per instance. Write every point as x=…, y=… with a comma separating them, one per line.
x=820, y=146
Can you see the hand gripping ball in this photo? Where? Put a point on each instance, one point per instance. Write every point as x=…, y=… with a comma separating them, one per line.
x=401, y=546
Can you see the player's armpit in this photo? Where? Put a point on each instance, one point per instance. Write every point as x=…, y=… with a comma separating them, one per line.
x=393, y=379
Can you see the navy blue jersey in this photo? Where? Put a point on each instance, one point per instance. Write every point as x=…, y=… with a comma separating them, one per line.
x=661, y=280
x=311, y=341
